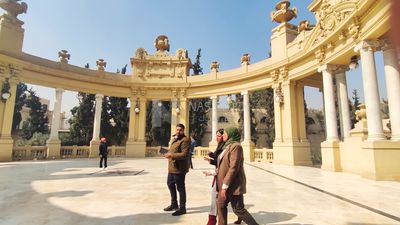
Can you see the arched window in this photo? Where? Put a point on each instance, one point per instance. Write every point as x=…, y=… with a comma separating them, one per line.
x=222, y=119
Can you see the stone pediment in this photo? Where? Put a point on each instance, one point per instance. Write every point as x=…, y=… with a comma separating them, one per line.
x=161, y=65
x=330, y=15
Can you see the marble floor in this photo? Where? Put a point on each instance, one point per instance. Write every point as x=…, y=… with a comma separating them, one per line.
x=134, y=191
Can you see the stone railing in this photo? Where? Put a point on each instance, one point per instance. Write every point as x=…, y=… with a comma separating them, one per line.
x=263, y=155
x=29, y=152
x=66, y=152
x=74, y=152
x=154, y=151
x=84, y=151
x=200, y=151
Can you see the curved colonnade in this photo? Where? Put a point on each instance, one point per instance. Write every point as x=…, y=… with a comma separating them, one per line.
x=312, y=56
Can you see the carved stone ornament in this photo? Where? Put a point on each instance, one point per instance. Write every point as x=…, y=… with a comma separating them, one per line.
x=181, y=54
x=214, y=66
x=245, y=58
x=284, y=73
x=304, y=25
x=274, y=76
x=13, y=8
x=140, y=53
x=354, y=29
x=161, y=43
x=101, y=64
x=64, y=56
x=330, y=16
x=361, y=114
x=320, y=54
x=283, y=13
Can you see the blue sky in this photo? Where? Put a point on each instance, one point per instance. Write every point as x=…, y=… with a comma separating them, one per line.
x=113, y=30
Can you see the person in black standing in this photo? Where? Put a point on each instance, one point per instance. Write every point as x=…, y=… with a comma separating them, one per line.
x=103, y=152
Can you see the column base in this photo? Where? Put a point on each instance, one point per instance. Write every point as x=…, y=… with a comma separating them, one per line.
x=6, y=149
x=248, y=151
x=292, y=153
x=53, y=149
x=330, y=154
x=381, y=160
x=94, y=148
x=135, y=149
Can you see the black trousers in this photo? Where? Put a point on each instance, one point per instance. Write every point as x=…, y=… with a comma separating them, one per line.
x=103, y=157
x=177, y=182
x=237, y=204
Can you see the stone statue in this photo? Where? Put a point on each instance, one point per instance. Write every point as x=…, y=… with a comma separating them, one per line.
x=13, y=8
x=162, y=43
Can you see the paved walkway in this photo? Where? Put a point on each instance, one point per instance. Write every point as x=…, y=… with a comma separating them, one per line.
x=133, y=191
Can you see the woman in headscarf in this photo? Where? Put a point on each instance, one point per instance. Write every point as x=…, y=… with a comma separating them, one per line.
x=231, y=179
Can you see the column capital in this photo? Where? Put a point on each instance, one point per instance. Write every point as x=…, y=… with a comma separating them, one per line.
x=368, y=45
x=246, y=92
x=60, y=90
x=333, y=68
x=330, y=68
x=214, y=97
x=99, y=96
x=386, y=44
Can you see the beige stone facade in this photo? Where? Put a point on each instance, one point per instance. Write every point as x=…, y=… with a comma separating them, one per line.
x=313, y=56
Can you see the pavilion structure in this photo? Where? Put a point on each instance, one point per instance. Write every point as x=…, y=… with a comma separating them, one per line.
x=302, y=55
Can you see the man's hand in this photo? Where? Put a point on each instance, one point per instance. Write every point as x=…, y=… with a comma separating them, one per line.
x=223, y=194
x=168, y=155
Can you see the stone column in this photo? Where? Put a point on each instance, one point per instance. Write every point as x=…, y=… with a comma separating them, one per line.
x=142, y=120
x=54, y=143
x=55, y=121
x=214, y=122
x=247, y=144
x=277, y=114
x=392, y=77
x=95, y=142
x=344, y=111
x=134, y=148
x=330, y=112
x=97, y=117
x=174, y=115
x=301, y=120
x=6, y=141
x=184, y=114
x=330, y=152
x=9, y=110
x=371, y=92
x=246, y=116
x=132, y=120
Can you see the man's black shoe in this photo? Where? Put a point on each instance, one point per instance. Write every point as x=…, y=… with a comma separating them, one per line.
x=179, y=212
x=171, y=208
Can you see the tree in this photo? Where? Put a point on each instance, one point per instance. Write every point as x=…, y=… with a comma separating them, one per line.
x=20, y=99
x=81, y=122
x=196, y=65
x=354, y=107
x=198, y=108
x=115, y=120
x=263, y=99
x=37, y=121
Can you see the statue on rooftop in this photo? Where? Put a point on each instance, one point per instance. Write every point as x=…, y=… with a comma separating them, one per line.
x=283, y=13
x=13, y=8
x=162, y=43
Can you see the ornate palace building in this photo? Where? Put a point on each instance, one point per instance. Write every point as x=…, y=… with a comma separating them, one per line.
x=302, y=55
